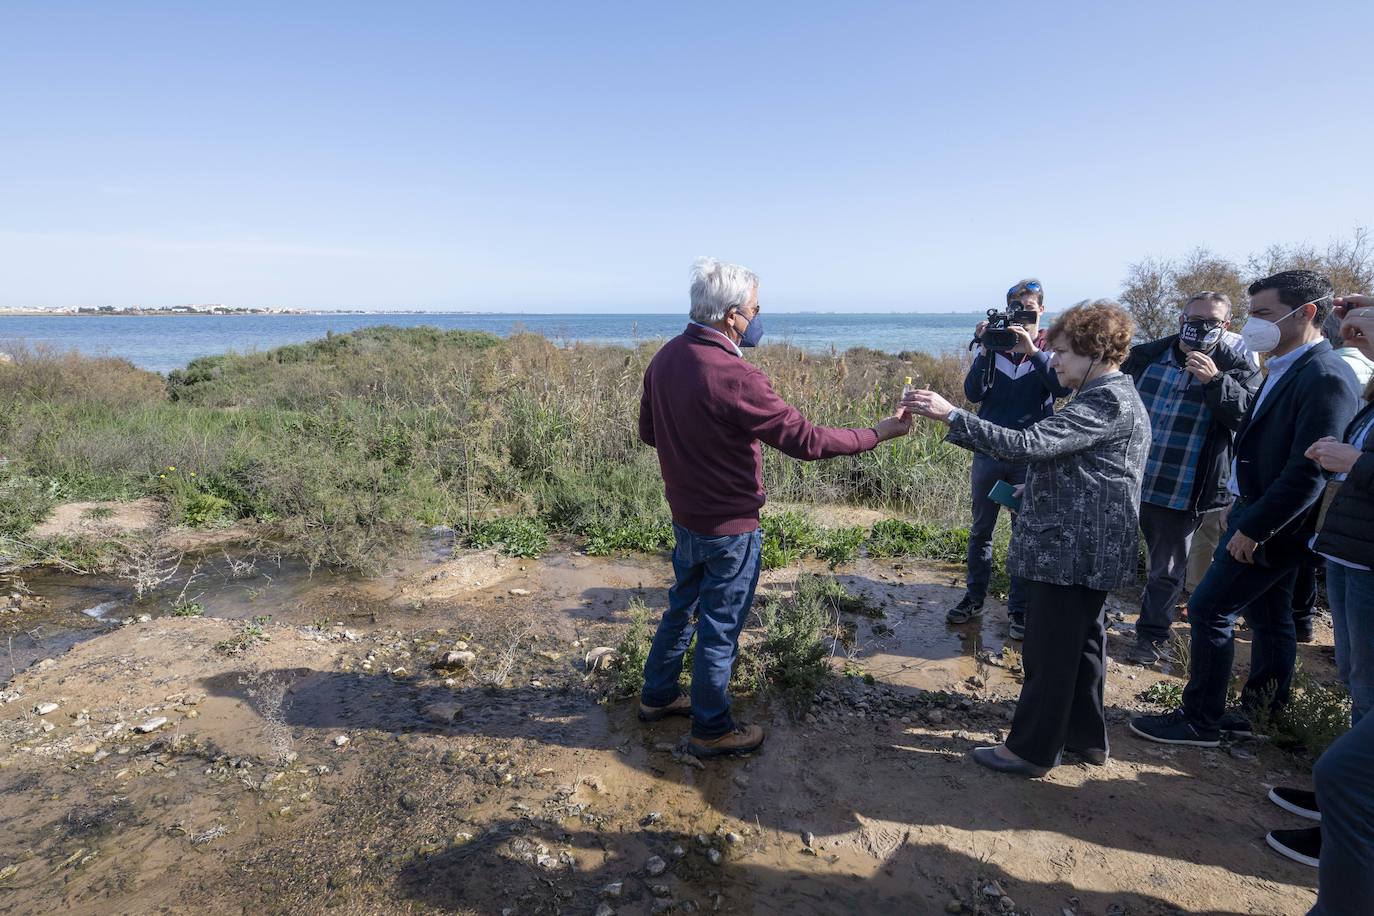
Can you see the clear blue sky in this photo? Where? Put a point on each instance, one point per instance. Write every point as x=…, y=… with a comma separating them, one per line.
x=577, y=156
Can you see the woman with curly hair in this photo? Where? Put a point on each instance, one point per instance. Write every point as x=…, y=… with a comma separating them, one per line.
x=1075, y=535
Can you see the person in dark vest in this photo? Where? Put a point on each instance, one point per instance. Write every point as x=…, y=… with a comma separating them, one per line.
x=1342, y=845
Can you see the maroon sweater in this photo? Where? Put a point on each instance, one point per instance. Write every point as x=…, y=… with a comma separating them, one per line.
x=705, y=409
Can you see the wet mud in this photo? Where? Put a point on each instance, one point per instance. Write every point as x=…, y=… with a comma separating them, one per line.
x=293, y=749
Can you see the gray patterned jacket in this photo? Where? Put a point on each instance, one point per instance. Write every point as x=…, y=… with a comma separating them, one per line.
x=1081, y=507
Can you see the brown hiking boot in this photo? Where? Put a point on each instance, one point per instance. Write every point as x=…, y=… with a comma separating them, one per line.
x=682, y=706
x=744, y=739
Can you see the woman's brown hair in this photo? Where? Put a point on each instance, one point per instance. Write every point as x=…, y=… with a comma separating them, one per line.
x=1099, y=328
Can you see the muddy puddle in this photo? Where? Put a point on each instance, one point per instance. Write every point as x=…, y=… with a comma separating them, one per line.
x=295, y=750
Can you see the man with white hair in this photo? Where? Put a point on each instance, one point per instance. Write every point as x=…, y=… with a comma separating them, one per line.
x=706, y=409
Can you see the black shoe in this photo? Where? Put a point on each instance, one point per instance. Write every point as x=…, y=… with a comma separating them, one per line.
x=1016, y=629
x=988, y=757
x=1296, y=801
x=1305, y=635
x=1144, y=652
x=1174, y=728
x=964, y=611
x=1234, y=724
x=1302, y=845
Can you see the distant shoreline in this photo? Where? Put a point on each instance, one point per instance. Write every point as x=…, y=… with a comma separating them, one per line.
x=284, y=313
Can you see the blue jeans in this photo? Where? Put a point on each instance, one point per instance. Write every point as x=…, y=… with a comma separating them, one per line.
x=716, y=578
x=1265, y=595
x=987, y=471
x=1345, y=793
x=1351, y=593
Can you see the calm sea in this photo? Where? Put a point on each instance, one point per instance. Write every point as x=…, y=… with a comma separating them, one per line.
x=163, y=343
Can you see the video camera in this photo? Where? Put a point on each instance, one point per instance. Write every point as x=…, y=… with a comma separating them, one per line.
x=998, y=337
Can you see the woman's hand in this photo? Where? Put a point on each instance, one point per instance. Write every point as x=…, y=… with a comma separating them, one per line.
x=1333, y=455
x=928, y=404
x=1025, y=343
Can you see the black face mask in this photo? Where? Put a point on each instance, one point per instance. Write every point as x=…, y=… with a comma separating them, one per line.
x=1201, y=334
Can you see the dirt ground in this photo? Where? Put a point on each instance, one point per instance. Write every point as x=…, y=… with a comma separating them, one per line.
x=312, y=760
x=99, y=519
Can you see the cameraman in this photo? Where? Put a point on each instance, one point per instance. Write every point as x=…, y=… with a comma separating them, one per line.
x=1015, y=391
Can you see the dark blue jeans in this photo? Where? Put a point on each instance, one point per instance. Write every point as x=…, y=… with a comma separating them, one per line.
x=1265, y=595
x=716, y=578
x=1351, y=594
x=986, y=472
x=1345, y=793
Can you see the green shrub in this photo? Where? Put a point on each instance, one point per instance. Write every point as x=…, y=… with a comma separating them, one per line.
x=345, y=446
x=633, y=651
x=1166, y=694
x=787, y=537
x=24, y=502
x=1315, y=716
x=792, y=658
x=896, y=538
x=640, y=535
x=518, y=537
x=841, y=545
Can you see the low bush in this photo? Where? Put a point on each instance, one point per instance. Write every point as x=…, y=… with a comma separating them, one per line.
x=633, y=651
x=636, y=535
x=791, y=659
x=347, y=445
x=518, y=537
x=841, y=545
x=1315, y=716
x=787, y=537
x=1165, y=694
x=897, y=538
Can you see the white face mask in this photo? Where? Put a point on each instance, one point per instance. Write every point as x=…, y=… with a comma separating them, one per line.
x=1262, y=335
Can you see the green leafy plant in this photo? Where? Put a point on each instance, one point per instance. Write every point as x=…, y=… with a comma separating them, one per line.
x=189, y=609
x=841, y=545
x=897, y=538
x=1166, y=694
x=787, y=537
x=641, y=535
x=518, y=537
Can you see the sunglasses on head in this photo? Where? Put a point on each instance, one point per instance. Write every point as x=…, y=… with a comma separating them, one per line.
x=1031, y=287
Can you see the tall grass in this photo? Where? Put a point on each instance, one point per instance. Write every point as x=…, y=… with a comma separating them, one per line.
x=346, y=443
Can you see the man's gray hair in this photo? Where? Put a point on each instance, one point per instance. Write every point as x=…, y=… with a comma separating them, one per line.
x=718, y=287
x=1208, y=296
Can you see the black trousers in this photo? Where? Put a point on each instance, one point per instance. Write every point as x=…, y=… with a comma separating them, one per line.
x=1065, y=657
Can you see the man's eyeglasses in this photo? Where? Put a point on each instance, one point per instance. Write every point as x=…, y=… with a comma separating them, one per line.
x=1020, y=289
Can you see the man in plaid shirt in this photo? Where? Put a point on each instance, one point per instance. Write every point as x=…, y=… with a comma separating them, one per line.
x=1196, y=390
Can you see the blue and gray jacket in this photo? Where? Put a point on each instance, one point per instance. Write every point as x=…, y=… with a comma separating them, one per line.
x=1022, y=392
